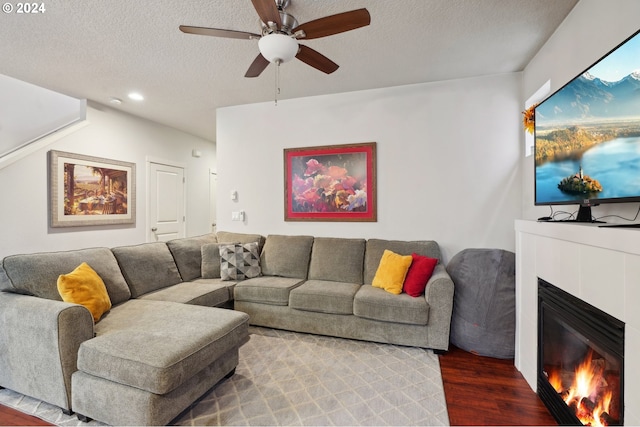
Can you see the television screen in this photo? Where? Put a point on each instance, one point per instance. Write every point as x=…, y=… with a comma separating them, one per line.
x=587, y=134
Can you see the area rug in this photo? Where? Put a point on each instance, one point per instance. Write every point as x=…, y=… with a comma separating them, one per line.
x=288, y=378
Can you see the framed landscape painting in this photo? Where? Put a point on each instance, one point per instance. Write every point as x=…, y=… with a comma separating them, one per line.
x=87, y=190
x=330, y=183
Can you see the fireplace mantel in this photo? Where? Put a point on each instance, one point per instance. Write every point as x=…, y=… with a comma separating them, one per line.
x=599, y=265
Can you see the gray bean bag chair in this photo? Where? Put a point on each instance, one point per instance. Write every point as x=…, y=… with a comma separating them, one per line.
x=484, y=304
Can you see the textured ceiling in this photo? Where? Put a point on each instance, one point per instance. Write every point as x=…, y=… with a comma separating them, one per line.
x=98, y=49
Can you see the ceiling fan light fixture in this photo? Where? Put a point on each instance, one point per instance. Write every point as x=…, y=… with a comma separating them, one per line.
x=278, y=47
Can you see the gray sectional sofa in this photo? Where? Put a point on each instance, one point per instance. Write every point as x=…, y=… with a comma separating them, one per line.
x=323, y=286
x=162, y=345
x=170, y=335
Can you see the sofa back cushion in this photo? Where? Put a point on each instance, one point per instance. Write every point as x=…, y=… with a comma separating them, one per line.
x=286, y=256
x=376, y=247
x=211, y=260
x=37, y=274
x=337, y=260
x=147, y=267
x=187, y=253
x=230, y=237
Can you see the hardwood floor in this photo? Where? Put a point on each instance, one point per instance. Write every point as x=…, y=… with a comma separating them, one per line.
x=11, y=417
x=479, y=391
x=487, y=391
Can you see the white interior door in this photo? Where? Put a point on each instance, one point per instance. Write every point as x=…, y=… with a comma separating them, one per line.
x=166, y=203
x=213, y=191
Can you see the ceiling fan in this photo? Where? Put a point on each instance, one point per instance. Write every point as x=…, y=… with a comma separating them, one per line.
x=278, y=42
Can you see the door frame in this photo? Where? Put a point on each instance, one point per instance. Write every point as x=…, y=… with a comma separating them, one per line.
x=213, y=200
x=161, y=161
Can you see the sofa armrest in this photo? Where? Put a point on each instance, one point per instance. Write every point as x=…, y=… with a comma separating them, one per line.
x=439, y=295
x=39, y=341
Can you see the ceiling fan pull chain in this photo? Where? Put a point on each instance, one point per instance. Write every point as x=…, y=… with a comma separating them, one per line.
x=277, y=85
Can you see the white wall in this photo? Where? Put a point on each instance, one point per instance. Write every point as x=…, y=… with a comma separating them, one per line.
x=109, y=134
x=592, y=29
x=448, y=160
x=28, y=112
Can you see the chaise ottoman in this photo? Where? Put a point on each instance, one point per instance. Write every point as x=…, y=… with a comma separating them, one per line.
x=151, y=360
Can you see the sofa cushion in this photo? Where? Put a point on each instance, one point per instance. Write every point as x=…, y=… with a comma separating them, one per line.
x=231, y=237
x=187, y=254
x=286, y=256
x=147, y=267
x=375, y=248
x=324, y=296
x=83, y=286
x=230, y=285
x=266, y=289
x=157, y=346
x=337, y=259
x=37, y=274
x=210, y=268
x=239, y=261
x=201, y=292
x=377, y=304
x=391, y=272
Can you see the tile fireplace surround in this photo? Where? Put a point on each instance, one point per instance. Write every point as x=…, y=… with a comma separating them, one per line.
x=598, y=265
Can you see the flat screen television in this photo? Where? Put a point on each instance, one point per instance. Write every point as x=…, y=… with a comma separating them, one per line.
x=587, y=135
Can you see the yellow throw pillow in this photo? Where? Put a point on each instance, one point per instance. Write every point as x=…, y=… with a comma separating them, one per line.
x=391, y=272
x=84, y=286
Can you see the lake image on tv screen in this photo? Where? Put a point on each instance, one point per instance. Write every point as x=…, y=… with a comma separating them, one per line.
x=587, y=135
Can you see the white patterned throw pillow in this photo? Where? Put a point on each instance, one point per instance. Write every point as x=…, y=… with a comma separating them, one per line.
x=239, y=261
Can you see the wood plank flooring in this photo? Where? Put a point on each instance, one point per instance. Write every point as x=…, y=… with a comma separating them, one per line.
x=11, y=417
x=487, y=391
x=479, y=391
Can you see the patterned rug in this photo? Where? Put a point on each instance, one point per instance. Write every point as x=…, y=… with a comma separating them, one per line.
x=287, y=378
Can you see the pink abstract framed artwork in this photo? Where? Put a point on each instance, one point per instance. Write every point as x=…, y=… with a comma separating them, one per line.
x=330, y=183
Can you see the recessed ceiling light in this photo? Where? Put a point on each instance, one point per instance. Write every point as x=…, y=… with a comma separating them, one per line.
x=115, y=101
x=136, y=96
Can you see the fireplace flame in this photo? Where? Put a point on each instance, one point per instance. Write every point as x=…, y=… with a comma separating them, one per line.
x=555, y=381
x=587, y=394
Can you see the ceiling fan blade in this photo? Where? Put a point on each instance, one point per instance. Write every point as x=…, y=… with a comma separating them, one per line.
x=316, y=60
x=267, y=11
x=257, y=66
x=335, y=24
x=216, y=32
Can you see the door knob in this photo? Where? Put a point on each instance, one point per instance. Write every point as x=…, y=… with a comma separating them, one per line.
x=154, y=229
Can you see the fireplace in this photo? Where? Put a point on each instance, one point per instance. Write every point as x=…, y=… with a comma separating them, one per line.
x=580, y=360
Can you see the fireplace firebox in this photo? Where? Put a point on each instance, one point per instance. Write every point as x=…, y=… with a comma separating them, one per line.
x=580, y=360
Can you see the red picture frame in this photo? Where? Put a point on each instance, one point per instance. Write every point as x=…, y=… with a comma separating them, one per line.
x=330, y=183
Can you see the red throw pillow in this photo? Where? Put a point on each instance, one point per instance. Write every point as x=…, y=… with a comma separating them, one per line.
x=418, y=275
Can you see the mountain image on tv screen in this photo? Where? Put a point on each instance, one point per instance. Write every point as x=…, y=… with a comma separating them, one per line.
x=587, y=134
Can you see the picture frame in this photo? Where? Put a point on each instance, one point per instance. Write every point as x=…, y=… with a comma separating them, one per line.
x=330, y=183
x=87, y=190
